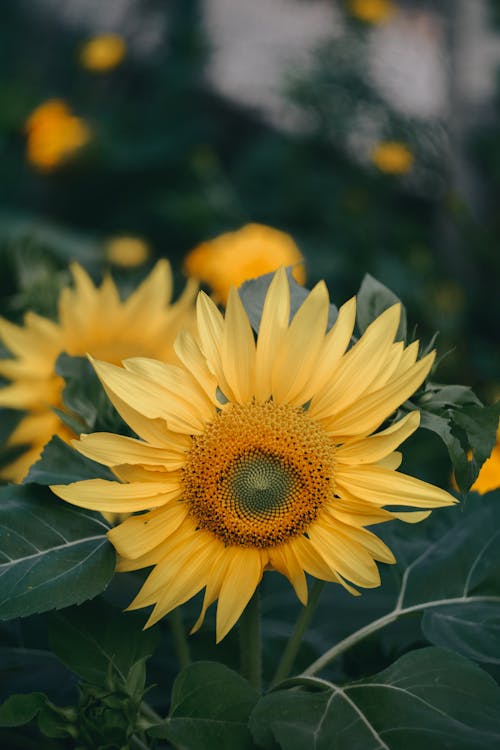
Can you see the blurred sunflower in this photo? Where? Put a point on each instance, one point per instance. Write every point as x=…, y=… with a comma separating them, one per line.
x=54, y=133
x=489, y=476
x=393, y=157
x=103, y=53
x=91, y=319
x=259, y=454
x=234, y=257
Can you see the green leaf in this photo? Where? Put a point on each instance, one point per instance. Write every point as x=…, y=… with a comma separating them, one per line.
x=372, y=299
x=101, y=644
x=464, y=426
x=471, y=629
x=210, y=709
x=62, y=464
x=85, y=398
x=52, y=554
x=253, y=294
x=429, y=698
x=452, y=559
x=21, y=709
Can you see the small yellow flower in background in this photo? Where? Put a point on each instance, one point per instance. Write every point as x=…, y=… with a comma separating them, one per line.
x=103, y=53
x=259, y=454
x=127, y=252
x=91, y=319
x=234, y=257
x=371, y=11
x=392, y=157
x=54, y=133
x=489, y=476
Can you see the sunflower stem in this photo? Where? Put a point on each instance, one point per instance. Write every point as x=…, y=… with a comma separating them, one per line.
x=295, y=640
x=181, y=644
x=250, y=649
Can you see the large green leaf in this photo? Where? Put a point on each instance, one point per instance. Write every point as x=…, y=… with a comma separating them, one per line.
x=452, y=561
x=101, y=644
x=210, y=709
x=52, y=554
x=473, y=629
x=429, y=698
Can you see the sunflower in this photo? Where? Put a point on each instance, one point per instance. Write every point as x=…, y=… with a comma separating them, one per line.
x=234, y=257
x=91, y=319
x=489, y=476
x=259, y=454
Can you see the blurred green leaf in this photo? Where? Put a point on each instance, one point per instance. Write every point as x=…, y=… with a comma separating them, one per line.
x=372, y=299
x=101, y=644
x=21, y=709
x=52, y=554
x=210, y=709
x=62, y=464
x=86, y=399
x=253, y=294
x=429, y=698
x=456, y=415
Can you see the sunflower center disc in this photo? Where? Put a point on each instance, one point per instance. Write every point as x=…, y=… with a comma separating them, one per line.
x=259, y=474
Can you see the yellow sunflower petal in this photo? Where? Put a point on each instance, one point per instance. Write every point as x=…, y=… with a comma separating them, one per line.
x=211, y=330
x=173, y=379
x=284, y=560
x=370, y=410
x=273, y=327
x=137, y=535
x=189, y=353
x=335, y=343
x=101, y=494
x=385, y=487
x=184, y=560
x=238, y=350
x=149, y=398
x=373, y=448
x=237, y=588
x=315, y=564
x=296, y=360
x=112, y=450
x=359, y=366
x=219, y=564
x=349, y=559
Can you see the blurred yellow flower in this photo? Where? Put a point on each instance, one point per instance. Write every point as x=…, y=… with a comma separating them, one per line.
x=54, y=133
x=234, y=257
x=91, y=320
x=371, y=11
x=127, y=252
x=102, y=53
x=489, y=476
x=392, y=157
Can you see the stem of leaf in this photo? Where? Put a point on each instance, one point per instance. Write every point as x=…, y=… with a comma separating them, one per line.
x=295, y=640
x=250, y=648
x=382, y=622
x=149, y=713
x=179, y=637
x=137, y=743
